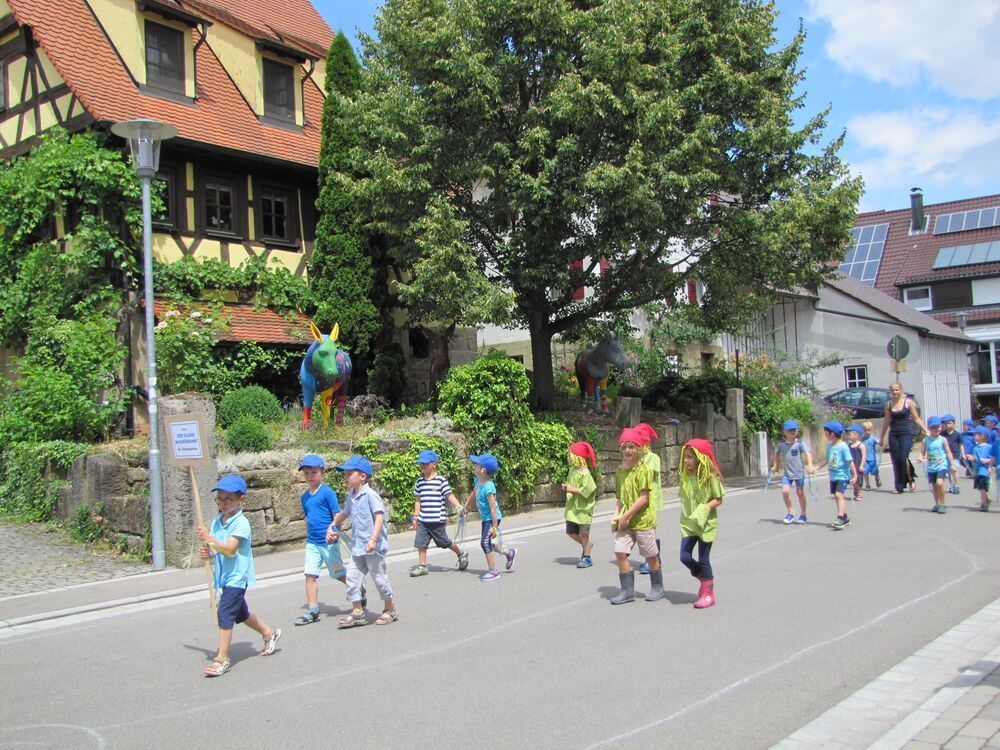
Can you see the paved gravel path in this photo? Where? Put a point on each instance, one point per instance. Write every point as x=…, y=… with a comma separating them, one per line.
x=34, y=559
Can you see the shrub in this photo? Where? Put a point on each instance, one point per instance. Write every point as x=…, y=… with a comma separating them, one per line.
x=766, y=409
x=487, y=398
x=250, y=401
x=248, y=435
x=84, y=526
x=531, y=455
x=675, y=392
x=25, y=492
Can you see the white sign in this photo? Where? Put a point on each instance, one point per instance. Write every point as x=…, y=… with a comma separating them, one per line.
x=186, y=439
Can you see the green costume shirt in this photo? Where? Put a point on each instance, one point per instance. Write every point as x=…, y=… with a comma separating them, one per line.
x=693, y=495
x=652, y=460
x=580, y=507
x=629, y=483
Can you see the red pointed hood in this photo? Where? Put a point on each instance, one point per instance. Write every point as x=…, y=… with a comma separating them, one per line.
x=704, y=446
x=584, y=450
x=648, y=432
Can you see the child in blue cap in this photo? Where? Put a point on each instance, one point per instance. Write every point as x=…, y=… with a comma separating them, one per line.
x=859, y=455
x=968, y=442
x=954, y=438
x=982, y=459
x=485, y=493
x=935, y=451
x=228, y=547
x=369, y=545
x=871, y=456
x=792, y=455
x=429, y=515
x=842, y=472
x=319, y=505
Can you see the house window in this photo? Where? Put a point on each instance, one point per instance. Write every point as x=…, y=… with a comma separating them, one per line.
x=279, y=94
x=219, y=204
x=986, y=363
x=164, y=57
x=918, y=297
x=165, y=179
x=856, y=376
x=275, y=213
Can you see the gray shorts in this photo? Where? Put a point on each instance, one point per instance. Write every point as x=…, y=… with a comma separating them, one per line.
x=428, y=531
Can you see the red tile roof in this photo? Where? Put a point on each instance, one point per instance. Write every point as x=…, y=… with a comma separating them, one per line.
x=247, y=323
x=220, y=117
x=295, y=22
x=982, y=314
x=908, y=259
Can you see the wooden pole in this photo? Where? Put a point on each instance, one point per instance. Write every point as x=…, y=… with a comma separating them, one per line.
x=208, y=565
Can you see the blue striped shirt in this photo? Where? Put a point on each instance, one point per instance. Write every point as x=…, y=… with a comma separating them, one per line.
x=432, y=494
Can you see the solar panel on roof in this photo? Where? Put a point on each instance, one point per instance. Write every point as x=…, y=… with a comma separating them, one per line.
x=967, y=255
x=864, y=252
x=966, y=220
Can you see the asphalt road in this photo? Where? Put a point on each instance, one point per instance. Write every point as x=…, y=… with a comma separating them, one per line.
x=806, y=615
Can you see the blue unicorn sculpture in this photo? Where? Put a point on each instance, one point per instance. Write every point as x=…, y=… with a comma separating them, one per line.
x=326, y=369
x=592, y=369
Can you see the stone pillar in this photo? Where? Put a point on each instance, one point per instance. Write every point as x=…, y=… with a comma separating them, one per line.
x=734, y=410
x=628, y=411
x=179, y=521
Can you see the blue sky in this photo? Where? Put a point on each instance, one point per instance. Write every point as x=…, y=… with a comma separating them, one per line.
x=915, y=83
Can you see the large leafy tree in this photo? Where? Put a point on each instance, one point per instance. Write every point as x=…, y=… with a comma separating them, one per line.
x=658, y=135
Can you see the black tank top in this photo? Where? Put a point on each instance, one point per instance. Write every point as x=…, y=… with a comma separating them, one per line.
x=899, y=421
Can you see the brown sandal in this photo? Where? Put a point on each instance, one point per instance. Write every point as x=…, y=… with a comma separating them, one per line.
x=387, y=617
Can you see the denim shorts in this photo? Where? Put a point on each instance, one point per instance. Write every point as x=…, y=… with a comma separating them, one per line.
x=319, y=556
x=787, y=482
x=233, y=607
x=838, y=485
x=981, y=483
x=933, y=476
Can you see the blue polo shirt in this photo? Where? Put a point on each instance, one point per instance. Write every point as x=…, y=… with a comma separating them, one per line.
x=236, y=571
x=979, y=454
x=838, y=461
x=483, y=492
x=319, y=508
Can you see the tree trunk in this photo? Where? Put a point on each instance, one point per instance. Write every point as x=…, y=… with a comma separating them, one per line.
x=440, y=358
x=543, y=391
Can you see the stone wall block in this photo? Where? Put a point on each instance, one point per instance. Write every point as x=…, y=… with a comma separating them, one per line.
x=723, y=450
x=138, y=478
x=287, y=503
x=286, y=532
x=685, y=431
x=668, y=434
x=393, y=445
x=724, y=428
x=266, y=478
x=549, y=494
x=258, y=527
x=128, y=514
x=106, y=475
x=255, y=499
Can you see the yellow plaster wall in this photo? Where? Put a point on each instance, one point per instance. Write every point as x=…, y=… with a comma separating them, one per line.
x=237, y=254
x=78, y=108
x=288, y=259
x=124, y=26
x=208, y=248
x=8, y=129
x=47, y=116
x=51, y=74
x=189, y=201
x=64, y=103
x=16, y=69
x=239, y=57
x=165, y=250
x=4, y=9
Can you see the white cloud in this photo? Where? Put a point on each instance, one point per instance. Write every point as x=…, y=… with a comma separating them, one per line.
x=926, y=147
x=953, y=45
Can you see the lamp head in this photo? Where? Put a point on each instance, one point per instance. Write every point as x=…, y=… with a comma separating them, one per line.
x=144, y=138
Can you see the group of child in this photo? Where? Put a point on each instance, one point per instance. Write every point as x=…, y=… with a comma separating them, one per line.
x=854, y=462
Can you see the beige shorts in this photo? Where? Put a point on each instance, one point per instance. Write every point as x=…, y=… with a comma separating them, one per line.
x=646, y=541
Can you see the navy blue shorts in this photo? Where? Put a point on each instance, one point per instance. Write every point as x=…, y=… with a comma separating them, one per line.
x=233, y=607
x=838, y=485
x=933, y=476
x=981, y=483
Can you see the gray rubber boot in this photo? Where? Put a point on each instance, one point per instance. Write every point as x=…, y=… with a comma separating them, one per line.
x=627, y=594
x=656, y=592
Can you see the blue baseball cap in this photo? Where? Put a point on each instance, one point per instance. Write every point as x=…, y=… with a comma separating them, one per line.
x=487, y=461
x=790, y=424
x=990, y=418
x=312, y=461
x=834, y=426
x=427, y=456
x=855, y=428
x=968, y=423
x=231, y=483
x=980, y=430
x=933, y=422
x=357, y=463
x=948, y=418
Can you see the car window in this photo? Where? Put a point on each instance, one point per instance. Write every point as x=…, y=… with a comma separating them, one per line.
x=875, y=397
x=850, y=396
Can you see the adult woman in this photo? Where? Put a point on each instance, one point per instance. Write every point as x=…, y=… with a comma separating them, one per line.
x=900, y=414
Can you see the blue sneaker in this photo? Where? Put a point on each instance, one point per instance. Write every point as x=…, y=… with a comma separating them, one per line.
x=802, y=519
x=644, y=569
x=585, y=562
x=935, y=508
x=789, y=518
x=942, y=509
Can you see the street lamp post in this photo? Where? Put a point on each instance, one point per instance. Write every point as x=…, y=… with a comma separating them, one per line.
x=144, y=138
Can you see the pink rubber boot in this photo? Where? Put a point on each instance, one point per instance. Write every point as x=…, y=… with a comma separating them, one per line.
x=706, y=594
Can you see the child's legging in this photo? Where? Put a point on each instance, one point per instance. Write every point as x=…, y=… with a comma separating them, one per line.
x=702, y=567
